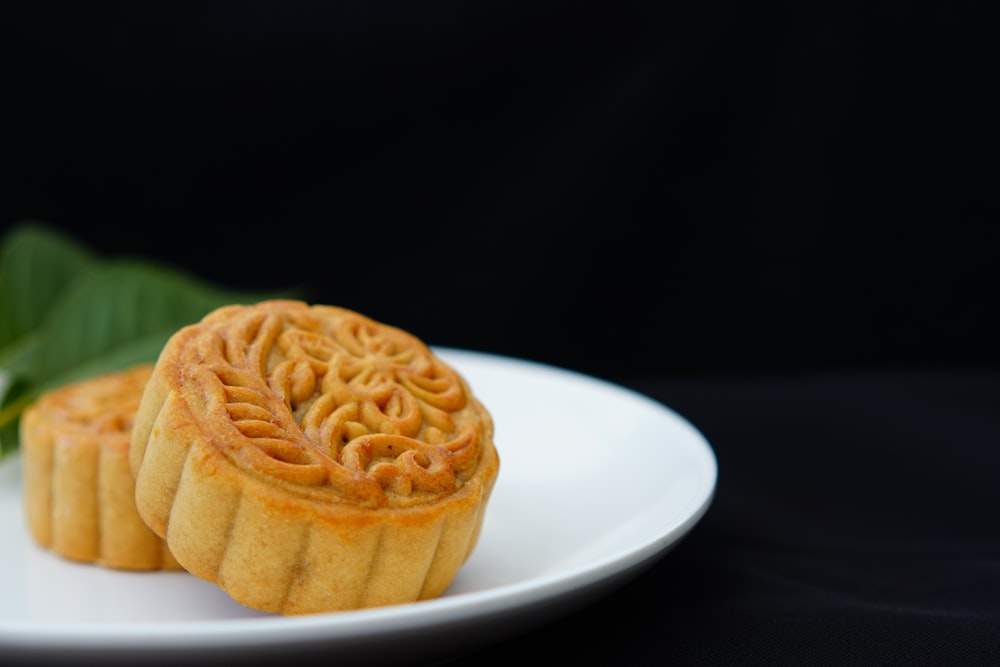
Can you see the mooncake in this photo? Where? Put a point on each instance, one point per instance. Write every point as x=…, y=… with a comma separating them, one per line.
x=307, y=458
x=78, y=488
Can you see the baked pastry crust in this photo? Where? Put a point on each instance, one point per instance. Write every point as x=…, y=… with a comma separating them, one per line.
x=78, y=489
x=307, y=458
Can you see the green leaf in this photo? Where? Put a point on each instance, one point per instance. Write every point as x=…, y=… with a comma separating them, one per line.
x=67, y=315
x=19, y=357
x=121, y=303
x=36, y=265
x=15, y=396
x=142, y=350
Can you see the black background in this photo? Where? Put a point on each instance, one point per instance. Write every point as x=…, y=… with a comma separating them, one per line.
x=611, y=187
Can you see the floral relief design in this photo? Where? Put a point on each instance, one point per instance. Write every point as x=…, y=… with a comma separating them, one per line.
x=330, y=398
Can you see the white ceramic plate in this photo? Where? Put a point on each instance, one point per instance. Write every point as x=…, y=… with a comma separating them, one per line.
x=595, y=482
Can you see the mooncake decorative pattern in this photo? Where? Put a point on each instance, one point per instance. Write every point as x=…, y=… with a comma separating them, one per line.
x=308, y=458
x=328, y=399
x=78, y=488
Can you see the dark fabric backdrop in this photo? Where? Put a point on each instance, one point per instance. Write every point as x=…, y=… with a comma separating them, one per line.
x=612, y=187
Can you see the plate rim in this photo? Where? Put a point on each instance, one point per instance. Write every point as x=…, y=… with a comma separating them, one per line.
x=360, y=625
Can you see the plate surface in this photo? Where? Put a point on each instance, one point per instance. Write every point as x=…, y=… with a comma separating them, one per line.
x=596, y=481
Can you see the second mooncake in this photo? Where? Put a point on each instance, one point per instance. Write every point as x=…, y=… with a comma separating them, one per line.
x=79, y=494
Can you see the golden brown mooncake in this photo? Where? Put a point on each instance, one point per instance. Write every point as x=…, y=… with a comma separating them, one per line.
x=308, y=459
x=78, y=489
